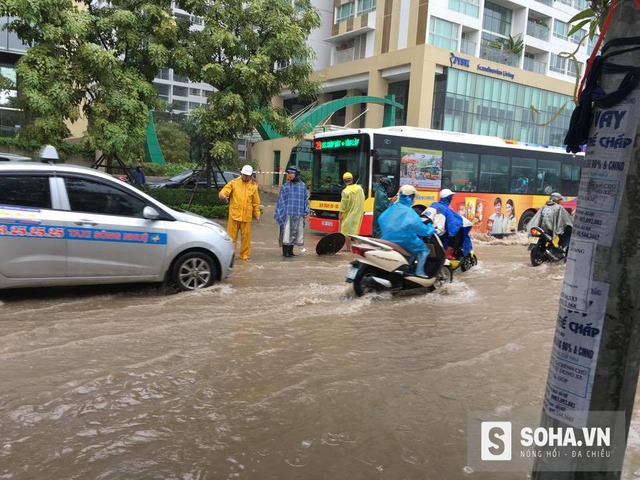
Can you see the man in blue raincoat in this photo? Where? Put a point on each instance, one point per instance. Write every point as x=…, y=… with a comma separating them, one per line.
x=453, y=223
x=402, y=225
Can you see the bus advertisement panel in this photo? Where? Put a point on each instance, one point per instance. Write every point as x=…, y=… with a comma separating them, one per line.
x=498, y=184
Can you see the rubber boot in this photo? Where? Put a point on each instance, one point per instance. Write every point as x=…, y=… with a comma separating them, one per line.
x=421, y=259
x=291, y=254
x=285, y=251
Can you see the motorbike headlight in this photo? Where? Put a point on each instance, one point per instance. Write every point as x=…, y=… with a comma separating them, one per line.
x=218, y=229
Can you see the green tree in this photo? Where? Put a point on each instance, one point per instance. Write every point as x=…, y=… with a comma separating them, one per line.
x=249, y=51
x=174, y=142
x=91, y=59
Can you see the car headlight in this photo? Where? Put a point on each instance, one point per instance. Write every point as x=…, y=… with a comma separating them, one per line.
x=218, y=229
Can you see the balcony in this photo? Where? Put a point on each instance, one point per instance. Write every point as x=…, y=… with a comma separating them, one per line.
x=467, y=47
x=344, y=56
x=538, y=30
x=499, y=56
x=535, y=66
x=546, y=2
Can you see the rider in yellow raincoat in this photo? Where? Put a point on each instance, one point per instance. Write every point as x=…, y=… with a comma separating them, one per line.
x=244, y=203
x=351, y=209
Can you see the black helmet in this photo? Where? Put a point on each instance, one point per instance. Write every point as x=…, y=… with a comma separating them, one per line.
x=293, y=169
x=385, y=181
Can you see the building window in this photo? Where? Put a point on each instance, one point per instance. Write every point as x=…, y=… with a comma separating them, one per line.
x=366, y=6
x=163, y=91
x=180, y=78
x=565, y=66
x=468, y=7
x=164, y=74
x=344, y=12
x=10, y=40
x=180, y=91
x=193, y=105
x=444, y=34
x=6, y=96
x=400, y=92
x=497, y=19
x=561, y=30
x=179, y=105
x=195, y=92
x=577, y=37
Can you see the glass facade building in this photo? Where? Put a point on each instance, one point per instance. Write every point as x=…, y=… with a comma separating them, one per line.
x=471, y=103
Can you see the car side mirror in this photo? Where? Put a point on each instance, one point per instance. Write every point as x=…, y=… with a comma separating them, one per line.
x=150, y=213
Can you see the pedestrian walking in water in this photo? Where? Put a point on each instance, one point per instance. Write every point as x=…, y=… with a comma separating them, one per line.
x=292, y=209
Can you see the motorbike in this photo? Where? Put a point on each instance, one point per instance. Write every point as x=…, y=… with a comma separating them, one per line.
x=462, y=261
x=386, y=266
x=545, y=248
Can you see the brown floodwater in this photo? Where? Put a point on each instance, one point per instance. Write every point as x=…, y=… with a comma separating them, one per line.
x=276, y=373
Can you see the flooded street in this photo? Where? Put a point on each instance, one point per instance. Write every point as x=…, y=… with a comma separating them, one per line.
x=277, y=373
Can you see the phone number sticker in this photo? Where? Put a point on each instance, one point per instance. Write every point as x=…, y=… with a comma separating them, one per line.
x=12, y=230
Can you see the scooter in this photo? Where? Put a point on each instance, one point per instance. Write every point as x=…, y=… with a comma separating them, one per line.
x=462, y=261
x=545, y=248
x=386, y=266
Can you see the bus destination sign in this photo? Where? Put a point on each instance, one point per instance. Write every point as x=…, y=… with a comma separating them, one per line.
x=349, y=142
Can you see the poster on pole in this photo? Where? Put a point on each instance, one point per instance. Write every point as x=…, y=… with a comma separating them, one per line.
x=584, y=296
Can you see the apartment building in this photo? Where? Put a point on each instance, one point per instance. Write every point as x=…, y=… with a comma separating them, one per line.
x=489, y=67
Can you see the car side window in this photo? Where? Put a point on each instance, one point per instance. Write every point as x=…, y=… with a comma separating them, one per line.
x=25, y=191
x=95, y=197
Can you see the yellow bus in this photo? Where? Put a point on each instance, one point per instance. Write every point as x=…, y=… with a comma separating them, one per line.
x=499, y=184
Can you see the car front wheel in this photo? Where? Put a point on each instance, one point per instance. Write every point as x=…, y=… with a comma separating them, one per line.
x=193, y=271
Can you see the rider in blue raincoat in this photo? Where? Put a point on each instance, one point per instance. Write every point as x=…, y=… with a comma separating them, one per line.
x=402, y=225
x=453, y=225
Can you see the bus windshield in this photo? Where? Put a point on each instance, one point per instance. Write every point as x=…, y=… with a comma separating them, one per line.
x=332, y=158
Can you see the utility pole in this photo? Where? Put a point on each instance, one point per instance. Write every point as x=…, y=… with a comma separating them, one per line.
x=595, y=358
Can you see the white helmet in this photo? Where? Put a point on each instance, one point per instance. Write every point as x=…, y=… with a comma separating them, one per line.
x=247, y=170
x=445, y=193
x=407, y=190
x=556, y=197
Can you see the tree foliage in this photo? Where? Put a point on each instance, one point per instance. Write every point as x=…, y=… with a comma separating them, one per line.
x=91, y=59
x=249, y=51
x=593, y=17
x=174, y=142
x=98, y=60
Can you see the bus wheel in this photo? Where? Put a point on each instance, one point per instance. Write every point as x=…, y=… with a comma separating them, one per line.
x=525, y=218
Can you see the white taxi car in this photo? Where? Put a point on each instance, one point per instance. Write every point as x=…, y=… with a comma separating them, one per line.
x=70, y=225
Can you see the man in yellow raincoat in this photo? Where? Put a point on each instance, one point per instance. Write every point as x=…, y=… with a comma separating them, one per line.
x=351, y=209
x=244, y=203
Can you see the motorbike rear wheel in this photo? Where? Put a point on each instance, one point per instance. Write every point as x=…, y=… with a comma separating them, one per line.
x=445, y=275
x=363, y=283
x=538, y=256
x=467, y=262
